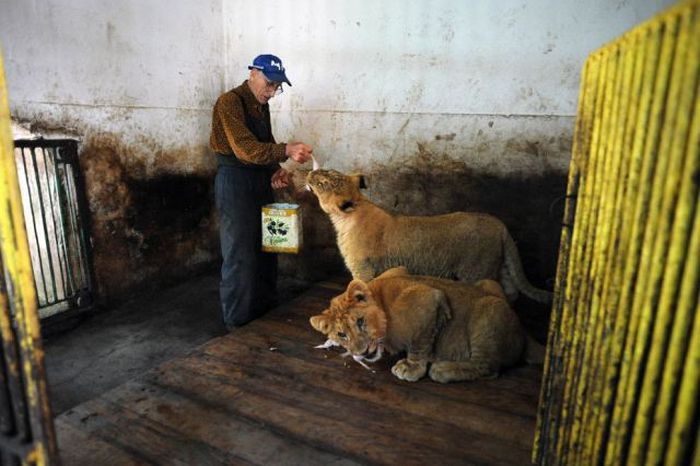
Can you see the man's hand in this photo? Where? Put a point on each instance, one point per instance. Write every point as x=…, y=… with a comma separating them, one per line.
x=280, y=179
x=298, y=151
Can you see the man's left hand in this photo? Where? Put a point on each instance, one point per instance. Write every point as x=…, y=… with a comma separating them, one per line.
x=280, y=179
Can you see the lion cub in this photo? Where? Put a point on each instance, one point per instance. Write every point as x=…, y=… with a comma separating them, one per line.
x=461, y=331
x=462, y=245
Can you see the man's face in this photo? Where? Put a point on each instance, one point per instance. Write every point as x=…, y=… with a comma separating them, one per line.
x=262, y=88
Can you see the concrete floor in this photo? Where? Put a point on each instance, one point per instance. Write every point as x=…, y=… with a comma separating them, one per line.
x=112, y=346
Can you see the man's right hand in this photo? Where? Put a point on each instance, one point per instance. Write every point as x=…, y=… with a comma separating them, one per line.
x=298, y=151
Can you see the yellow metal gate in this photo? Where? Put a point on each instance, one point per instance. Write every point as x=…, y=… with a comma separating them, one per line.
x=622, y=370
x=26, y=426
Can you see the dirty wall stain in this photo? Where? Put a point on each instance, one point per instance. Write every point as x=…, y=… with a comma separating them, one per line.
x=152, y=224
x=531, y=205
x=149, y=227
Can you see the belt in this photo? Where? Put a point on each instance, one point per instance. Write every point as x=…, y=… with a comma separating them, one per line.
x=230, y=160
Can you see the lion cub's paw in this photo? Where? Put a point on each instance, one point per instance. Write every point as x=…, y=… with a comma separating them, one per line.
x=409, y=370
x=456, y=371
x=444, y=373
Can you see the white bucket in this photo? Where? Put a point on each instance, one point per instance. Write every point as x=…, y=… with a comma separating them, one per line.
x=281, y=228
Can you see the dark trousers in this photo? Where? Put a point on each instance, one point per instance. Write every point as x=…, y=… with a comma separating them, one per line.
x=248, y=275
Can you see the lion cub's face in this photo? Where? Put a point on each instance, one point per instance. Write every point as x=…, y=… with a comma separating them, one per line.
x=354, y=320
x=337, y=193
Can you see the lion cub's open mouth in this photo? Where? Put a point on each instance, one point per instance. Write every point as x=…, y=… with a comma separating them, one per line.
x=373, y=354
x=370, y=355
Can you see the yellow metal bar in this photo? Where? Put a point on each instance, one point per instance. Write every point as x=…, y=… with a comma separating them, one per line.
x=624, y=263
x=657, y=234
x=553, y=362
x=637, y=282
x=559, y=349
x=22, y=296
x=686, y=407
x=621, y=353
x=551, y=386
x=606, y=244
x=579, y=266
x=594, y=418
x=671, y=240
x=675, y=312
x=599, y=231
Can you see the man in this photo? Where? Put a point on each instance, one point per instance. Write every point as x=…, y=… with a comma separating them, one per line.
x=248, y=168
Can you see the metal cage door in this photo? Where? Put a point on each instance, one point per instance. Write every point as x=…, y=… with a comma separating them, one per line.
x=56, y=222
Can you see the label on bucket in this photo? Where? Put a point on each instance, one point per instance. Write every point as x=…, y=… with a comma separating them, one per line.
x=281, y=228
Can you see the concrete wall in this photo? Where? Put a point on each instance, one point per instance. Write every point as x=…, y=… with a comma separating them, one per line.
x=445, y=105
x=134, y=82
x=372, y=80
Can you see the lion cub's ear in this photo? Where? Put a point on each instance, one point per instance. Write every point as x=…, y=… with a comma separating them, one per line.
x=358, y=291
x=359, y=181
x=321, y=323
x=347, y=206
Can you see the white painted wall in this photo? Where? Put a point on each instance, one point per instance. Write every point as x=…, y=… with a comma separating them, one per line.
x=512, y=57
x=375, y=80
x=372, y=79
x=146, y=71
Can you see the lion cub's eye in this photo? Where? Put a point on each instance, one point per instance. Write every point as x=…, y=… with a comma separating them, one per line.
x=342, y=336
x=361, y=323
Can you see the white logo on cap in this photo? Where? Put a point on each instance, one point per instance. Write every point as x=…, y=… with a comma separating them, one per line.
x=276, y=64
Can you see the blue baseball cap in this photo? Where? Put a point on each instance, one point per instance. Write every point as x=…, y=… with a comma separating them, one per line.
x=272, y=68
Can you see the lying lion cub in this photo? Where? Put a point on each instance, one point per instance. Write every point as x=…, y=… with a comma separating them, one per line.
x=464, y=331
x=461, y=245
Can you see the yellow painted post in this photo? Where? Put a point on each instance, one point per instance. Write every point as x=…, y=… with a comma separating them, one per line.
x=597, y=236
x=20, y=303
x=671, y=242
x=622, y=370
x=571, y=321
x=606, y=239
x=553, y=361
x=625, y=260
x=615, y=186
x=654, y=251
x=685, y=374
x=680, y=439
x=637, y=267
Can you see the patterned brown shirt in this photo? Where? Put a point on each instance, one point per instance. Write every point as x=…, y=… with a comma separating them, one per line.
x=231, y=135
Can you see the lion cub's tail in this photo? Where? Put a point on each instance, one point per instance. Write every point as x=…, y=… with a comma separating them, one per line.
x=517, y=275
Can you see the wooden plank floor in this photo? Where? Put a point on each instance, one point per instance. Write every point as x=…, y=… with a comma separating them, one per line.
x=263, y=395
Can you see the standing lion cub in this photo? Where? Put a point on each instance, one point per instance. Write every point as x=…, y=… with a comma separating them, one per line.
x=462, y=245
x=463, y=331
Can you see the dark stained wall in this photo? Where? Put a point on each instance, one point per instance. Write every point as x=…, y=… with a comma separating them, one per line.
x=149, y=228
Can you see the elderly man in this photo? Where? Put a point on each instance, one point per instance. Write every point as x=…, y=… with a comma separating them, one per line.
x=248, y=168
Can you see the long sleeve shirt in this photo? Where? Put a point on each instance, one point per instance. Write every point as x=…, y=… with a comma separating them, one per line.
x=231, y=134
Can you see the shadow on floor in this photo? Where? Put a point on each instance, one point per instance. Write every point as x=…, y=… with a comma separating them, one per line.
x=111, y=347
